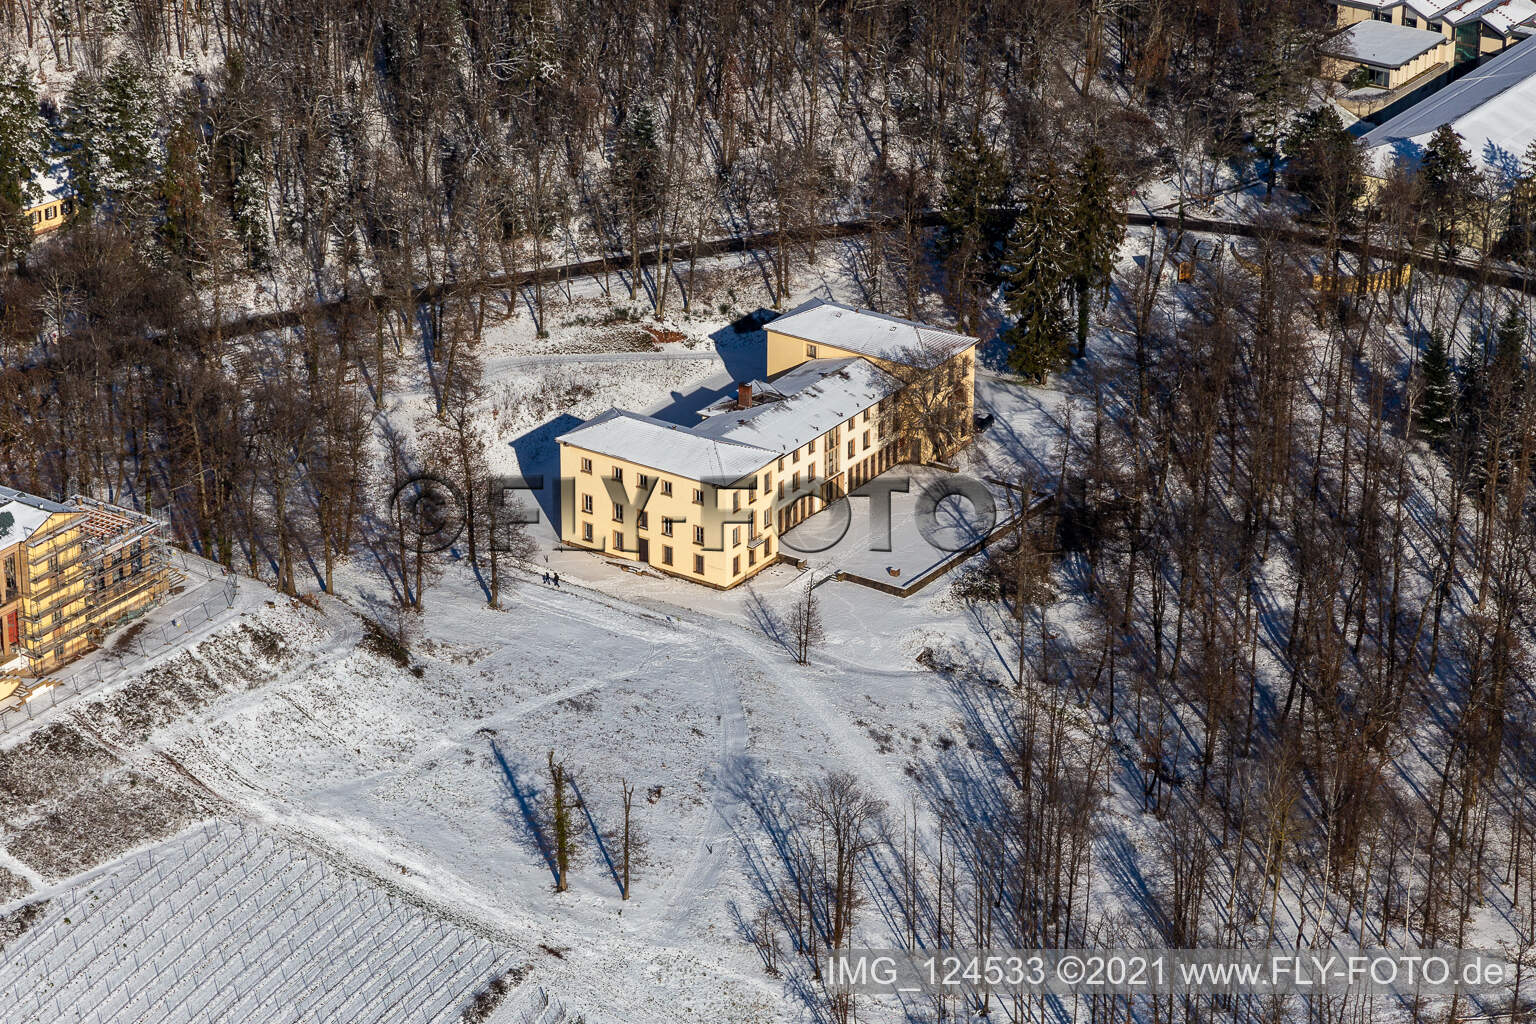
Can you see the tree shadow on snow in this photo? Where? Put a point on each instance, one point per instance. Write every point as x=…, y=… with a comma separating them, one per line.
x=526, y=799
x=767, y=620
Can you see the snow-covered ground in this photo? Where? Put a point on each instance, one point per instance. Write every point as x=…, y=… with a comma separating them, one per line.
x=431, y=782
x=416, y=786
x=226, y=922
x=431, y=777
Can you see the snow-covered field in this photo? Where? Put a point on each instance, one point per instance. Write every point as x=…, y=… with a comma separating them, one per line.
x=431, y=782
x=226, y=922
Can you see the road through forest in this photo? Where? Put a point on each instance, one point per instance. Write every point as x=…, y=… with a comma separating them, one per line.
x=1493, y=273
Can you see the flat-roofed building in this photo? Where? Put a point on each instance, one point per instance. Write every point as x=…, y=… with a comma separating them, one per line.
x=1393, y=52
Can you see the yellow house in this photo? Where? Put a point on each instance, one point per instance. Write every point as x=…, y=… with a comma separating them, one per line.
x=53, y=209
x=850, y=393
x=936, y=368
x=68, y=573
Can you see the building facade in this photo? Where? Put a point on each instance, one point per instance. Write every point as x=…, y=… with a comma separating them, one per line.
x=1392, y=51
x=848, y=395
x=69, y=572
x=1490, y=109
x=53, y=209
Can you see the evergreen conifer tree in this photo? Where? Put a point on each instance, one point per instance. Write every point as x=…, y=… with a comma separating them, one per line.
x=23, y=152
x=637, y=158
x=1324, y=162
x=250, y=212
x=1447, y=176
x=974, y=204
x=80, y=140
x=1439, y=399
x=1509, y=351
x=23, y=156
x=1098, y=228
x=1039, y=268
x=109, y=138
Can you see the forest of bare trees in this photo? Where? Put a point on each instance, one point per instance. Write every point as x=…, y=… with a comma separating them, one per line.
x=229, y=156
x=1303, y=537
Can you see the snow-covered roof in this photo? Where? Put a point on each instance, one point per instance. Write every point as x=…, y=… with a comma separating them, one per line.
x=1433, y=9
x=28, y=512
x=814, y=371
x=1383, y=45
x=1490, y=108
x=51, y=183
x=666, y=447
x=1507, y=17
x=762, y=391
x=27, y=520
x=820, y=394
x=1499, y=15
x=866, y=332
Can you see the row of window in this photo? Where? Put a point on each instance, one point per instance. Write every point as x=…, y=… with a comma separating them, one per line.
x=52, y=212
x=667, y=526
x=668, y=554
x=642, y=521
x=643, y=481
x=856, y=447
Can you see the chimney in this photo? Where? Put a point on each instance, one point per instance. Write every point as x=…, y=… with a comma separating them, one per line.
x=743, y=395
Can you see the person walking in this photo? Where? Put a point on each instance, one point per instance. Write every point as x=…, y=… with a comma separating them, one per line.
x=557, y=581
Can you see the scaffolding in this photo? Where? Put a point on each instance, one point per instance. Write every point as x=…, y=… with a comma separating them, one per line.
x=94, y=567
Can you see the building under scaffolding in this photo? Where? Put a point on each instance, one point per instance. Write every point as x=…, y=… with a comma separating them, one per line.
x=69, y=573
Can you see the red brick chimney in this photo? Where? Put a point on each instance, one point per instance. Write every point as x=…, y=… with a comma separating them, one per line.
x=743, y=395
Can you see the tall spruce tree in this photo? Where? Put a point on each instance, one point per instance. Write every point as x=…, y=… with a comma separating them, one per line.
x=1448, y=180
x=250, y=211
x=1509, y=349
x=23, y=135
x=1438, y=402
x=1324, y=165
x=23, y=155
x=636, y=174
x=975, y=205
x=1098, y=228
x=80, y=137
x=1039, y=270
x=110, y=139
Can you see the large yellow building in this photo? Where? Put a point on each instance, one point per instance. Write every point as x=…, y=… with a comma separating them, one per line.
x=850, y=393
x=69, y=571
